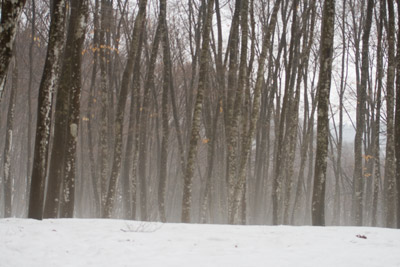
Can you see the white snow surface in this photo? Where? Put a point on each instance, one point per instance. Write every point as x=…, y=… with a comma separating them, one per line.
x=99, y=242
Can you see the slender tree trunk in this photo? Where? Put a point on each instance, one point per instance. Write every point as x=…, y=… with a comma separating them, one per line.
x=376, y=126
x=336, y=209
x=47, y=87
x=358, y=176
x=106, y=106
x=143, y=134
x=167, y=79
x=8, y=181
x=91, y=113
x=324, y=85
x=30, y=88
x=390, y=182
x=397, y=120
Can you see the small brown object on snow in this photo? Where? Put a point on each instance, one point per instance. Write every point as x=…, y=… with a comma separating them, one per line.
x=361, y=236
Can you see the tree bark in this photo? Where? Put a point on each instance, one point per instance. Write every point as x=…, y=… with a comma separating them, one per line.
x=8, y=181
x=75, y=39
x=397, y=119
x=246, y=144
x=47, y=87
x=167, y=79
x=194, y=137
x=358, y=176
x=376, y=126
x=324, y=85
x=10, y=14
x=116, y=167
x=390, y=182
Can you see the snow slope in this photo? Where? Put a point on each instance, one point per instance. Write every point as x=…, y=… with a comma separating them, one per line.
x=95, y=242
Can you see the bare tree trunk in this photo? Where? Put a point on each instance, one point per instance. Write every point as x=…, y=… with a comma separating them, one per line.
x=324, y=85
x=57, y=155
x=376, y=126
x=75, y=39
x=145, y=111
x=194, y=137
x=106, y=105
x=231, y=129
x=397, y=120
x=390, y=182
x=234, y=134
x=8, y=181
x=167, y=80
x=10, y=14
x=361, y=98
x=116, y=167
x=47, y=87
x=246, y=144
x=307, y=123
x=133, y=141
x=30, y=88
x=91, y=112
x=336, y=209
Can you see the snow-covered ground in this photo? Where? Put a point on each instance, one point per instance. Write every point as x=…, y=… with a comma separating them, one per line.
x=92, y=242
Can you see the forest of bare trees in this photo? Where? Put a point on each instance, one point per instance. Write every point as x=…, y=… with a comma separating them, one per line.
x=203, y=111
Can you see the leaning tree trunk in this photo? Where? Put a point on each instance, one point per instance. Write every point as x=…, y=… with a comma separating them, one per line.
x=324, y=86
x=10, y=14
x=116, y=167
x=75, y=39
x=47, y=87
x=194, y=137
